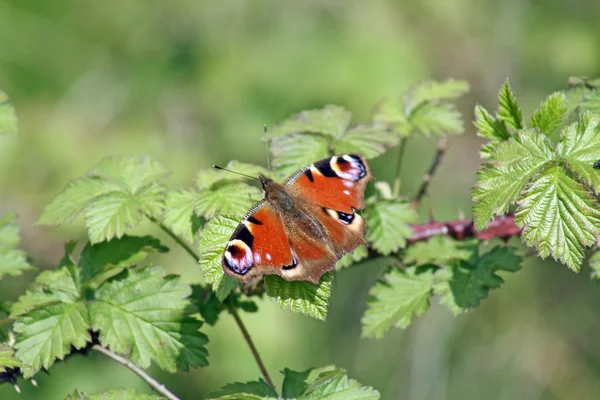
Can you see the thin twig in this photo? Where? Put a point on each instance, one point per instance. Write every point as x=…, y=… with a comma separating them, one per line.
x=401, y=149
x=437, y=159
x=232, y=310
x=158, y=387
x=248, y=339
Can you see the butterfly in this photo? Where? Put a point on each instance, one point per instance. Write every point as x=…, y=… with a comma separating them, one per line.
x=303, y=226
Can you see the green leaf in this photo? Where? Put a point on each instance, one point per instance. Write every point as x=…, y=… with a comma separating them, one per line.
x=113, y=394
x=490, y=127
x=508, y=108
x=503, y=178
x=368, y=140
x=207, y=177
x=13, y=261
x=258, y=388
x=7, y=357
x=226, y=198
x=333, y=384
x=47, y=333
x=388, y=225
x=330, y=121
x=471, y=280
x=110, y=215
x=300, y=296
x=550, y=114
x=96, y=259
x=580, y=147
x=396, y=300
x=436, y=119
x=294, y=383
x=393, y=111
x=207, y=304
x=592, y=101
x=179, y=213
x=428, y=91
x=143, y=317
x=594, y=262
x=213, y=239
x=439, y=250
x=133, y=173
x=292, y=152
x=8, y=118
x=559, y=217
x=360, y=253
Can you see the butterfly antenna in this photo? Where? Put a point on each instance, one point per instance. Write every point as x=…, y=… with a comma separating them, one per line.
x=235, y=172
x=267, y=150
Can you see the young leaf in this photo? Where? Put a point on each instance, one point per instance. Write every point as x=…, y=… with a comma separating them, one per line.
x=388, y=225
x=179, y=213
x=501, y=181
x=435, y=91
x=580, y=147
x=396, y=300
x=110, y=215
x=12, y=260
x=7, y=358
x=369, y=140
x=47, y=333
x=559, y=216
x=330, y=121
x=96, y=259
x=292, y=152
x=488, y=126
x=439, y=250
x=333, y=383
x=133, y=173
x=226, y=198
x=393, y=111
x=213, y=239
x=8, y=119
x=592, y=101
x=550, y=114
x=258, y=388
x=113, y=394
x=508, y=107
x=143, y=317
x=300, y=296
x=436, y=119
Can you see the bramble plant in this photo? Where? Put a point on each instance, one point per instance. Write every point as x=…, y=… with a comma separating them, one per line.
x=538, y=180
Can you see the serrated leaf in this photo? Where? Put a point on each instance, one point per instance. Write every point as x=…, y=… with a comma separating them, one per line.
x=396, y=300
x=437, y=119
x=503, y=178
x=360, y=253
x=441, y=288
x=439, y=250
x=592, y=101
x=179, y=212
x=226, y=198
x=258, y=388
x=333, y=384
x=559, y=217
x=330, y=121
x=143, y=317
x=7, y=357
x=110, y=215
x=393, y=111
x=580, y=147
x=213, y=239
x=133, y=173
x=207, y=177
x=294, y=383
x=13, y=261
x=96, y=259
x=550, y=114
x=292, y=152
x=47, y=333
x=368, y=140
x=113, y=394
x=427, y=91
x=388, y=225
x=489, y=126
x=508, y=107
x=8, y=118
x=207, y=304
x=300, y=296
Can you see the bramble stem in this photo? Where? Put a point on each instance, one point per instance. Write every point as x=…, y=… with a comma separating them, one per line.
x=231, y=309
x=154, y=384
x=437, y=159
x=401, y=148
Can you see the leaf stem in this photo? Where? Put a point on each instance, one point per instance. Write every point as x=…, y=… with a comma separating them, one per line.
x=248, y=339
x=401, y=149
x=437, y=159
x=232, y=310
x=154, y=384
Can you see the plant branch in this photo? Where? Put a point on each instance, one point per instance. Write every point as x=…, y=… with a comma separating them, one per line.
x=238, y=320
x=401, y=149
x=437, y=159
x=158, y=387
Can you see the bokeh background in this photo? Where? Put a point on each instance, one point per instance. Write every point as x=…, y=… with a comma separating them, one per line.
x=192, y=82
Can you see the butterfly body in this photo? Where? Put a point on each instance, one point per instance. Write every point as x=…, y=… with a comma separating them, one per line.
x=303, y=226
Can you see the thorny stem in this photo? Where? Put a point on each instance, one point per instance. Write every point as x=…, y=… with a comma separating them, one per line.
x=231, y=309
x=159, y=387
x=401, y=149
x=437, y=159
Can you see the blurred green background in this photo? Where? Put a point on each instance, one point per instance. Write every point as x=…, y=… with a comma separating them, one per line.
x=192, y=82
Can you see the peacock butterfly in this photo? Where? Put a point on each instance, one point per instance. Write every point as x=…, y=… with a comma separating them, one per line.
x=303, y=226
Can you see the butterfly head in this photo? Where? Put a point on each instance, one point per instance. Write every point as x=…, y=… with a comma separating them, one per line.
x=276, y=193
